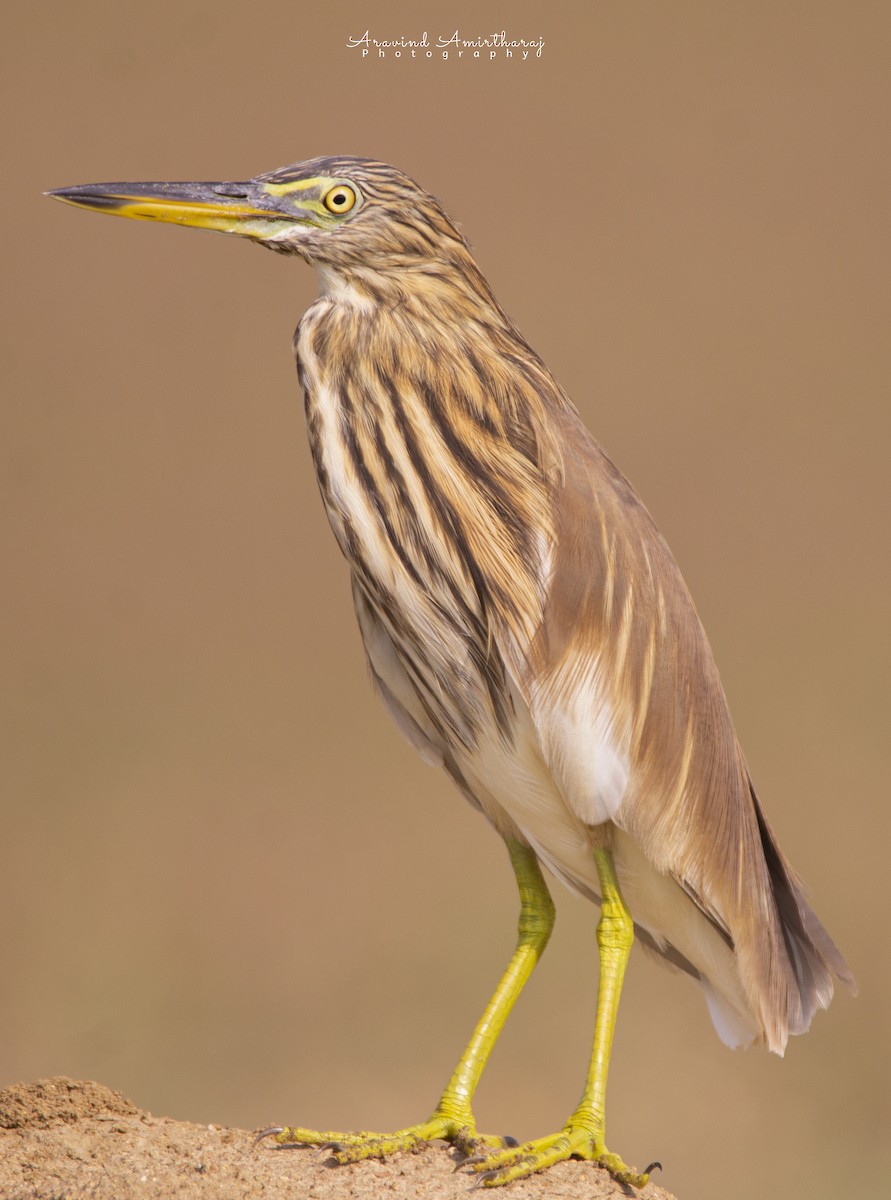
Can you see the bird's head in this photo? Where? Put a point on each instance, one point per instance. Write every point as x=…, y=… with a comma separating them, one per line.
x=340, y=212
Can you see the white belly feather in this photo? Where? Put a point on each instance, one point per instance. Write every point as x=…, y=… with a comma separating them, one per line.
x=514, y=788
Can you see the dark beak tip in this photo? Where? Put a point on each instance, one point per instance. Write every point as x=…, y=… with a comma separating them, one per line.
x=66, y=193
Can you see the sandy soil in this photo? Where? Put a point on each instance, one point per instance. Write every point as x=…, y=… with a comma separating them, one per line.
x=63, y=1139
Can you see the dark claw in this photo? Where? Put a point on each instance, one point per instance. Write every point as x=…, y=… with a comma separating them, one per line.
x=272, y=1131
x=510, y=1142
x=480, y=1180
x=334, y=1147
x=471, y=1162
x=654, y=1166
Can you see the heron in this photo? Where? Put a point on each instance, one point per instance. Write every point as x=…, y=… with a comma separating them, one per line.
x=527, y=628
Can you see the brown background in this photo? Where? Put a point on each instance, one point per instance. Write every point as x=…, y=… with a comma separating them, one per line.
x=229, y=889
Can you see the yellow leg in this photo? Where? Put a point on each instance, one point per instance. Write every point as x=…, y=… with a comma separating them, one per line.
x=583, y=1134
x=453, y=1118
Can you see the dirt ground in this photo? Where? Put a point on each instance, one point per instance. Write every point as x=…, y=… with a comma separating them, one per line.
x=64, y=1139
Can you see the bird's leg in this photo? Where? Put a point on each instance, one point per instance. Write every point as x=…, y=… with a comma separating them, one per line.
x=583, y=1134
x=452, y=1119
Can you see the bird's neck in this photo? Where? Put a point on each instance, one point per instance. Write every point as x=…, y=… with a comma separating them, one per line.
x=414, y=289
x=345, y=288
x=447, y=331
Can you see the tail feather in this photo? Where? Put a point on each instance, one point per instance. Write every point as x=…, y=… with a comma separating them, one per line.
x=811, y=952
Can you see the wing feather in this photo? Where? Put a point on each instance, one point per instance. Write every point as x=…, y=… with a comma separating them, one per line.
x=635, y=728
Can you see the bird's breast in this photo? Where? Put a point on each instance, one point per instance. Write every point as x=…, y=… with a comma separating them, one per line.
x=395, y=525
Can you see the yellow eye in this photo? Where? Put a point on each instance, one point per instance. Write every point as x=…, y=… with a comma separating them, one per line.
x=340, y=199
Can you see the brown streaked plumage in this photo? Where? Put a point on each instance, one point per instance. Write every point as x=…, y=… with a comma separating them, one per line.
x=525, y=624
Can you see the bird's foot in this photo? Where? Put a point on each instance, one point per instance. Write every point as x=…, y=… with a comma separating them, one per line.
x=573, y=1141
x=460, y=1131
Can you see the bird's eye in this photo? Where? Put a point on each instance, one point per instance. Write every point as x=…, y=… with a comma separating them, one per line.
x=340, y=199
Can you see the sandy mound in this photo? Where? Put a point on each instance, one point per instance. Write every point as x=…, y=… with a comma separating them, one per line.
x=63, y=1139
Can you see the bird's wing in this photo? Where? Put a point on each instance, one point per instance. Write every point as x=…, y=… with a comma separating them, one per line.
x=635, y=729
x=619, y=676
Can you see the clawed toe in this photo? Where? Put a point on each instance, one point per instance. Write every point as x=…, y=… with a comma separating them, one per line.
x=493, y=1160
x=272, y=1131
x=347, y=1148
x=519, y=1162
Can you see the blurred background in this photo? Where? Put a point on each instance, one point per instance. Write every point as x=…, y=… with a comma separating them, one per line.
x=229, y=888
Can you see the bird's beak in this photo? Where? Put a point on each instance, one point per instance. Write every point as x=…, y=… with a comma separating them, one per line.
x=246, y=209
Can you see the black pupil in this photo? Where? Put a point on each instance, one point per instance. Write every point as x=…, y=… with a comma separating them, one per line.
x=339, y=198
